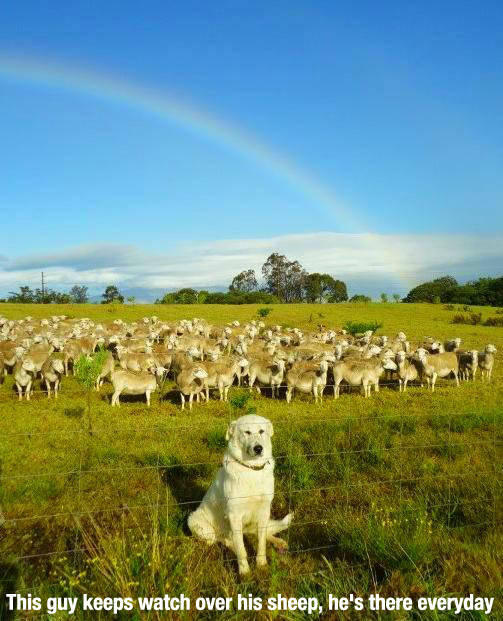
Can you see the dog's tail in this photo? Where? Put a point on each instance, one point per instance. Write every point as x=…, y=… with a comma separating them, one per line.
x=276, y=526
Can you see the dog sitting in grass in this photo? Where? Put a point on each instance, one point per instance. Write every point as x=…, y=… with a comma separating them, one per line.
x=239, y=500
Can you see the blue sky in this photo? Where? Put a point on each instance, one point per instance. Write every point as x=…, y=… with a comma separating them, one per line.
x=396, y=108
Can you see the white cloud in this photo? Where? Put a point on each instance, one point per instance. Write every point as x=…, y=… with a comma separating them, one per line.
x=367, y=262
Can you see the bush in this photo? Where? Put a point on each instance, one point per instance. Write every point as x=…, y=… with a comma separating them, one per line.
x=250, y=297
x=449, y=307
x=494, y=321
x=360, y=298
x=263, y=312
x=473, y=319
x=358, y=327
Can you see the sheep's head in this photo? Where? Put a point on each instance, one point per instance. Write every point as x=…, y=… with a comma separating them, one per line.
x=29, y=366
x=58, y=365
x=200, y=373
x=389, y=364
x=421, y=353
x=490, y=349
x=279, y=362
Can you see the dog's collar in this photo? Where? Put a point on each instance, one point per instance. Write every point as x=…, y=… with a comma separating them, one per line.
x=250, y=466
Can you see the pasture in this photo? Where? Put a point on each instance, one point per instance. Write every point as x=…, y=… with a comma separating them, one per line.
x=399, y=494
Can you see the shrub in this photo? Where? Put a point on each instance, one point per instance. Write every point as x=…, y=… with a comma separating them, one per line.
x=494, y=321
x=239, y=297
x=358, y=327
x=360, y=298
x=473, y=319
x=449, y=307
x=263, y=312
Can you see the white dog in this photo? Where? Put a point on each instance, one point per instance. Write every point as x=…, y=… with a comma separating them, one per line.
x=239, y=499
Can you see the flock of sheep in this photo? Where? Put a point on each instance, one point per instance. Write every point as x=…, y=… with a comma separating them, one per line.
x=201, y=356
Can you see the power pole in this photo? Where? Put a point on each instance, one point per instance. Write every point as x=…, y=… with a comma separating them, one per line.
x=43, y=293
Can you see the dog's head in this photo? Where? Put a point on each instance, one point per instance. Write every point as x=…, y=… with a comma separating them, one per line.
x=249, y=439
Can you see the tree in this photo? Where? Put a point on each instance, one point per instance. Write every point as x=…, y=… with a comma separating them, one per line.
x=78, y=294
x=358, y=297
x=396, y=297
x=112, y=295
x=285, y=279
x=338, y=292
x=323, y=287
x=444, y=288
x=384, y=298
x=186, y=296
x=131, y=299
x=244, y=282
x=24, y=296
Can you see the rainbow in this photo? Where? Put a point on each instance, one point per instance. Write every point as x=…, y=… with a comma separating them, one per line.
x=199, y=123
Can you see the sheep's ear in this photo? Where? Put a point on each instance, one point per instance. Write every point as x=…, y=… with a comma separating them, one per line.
x=230, y=430
x=271, y=430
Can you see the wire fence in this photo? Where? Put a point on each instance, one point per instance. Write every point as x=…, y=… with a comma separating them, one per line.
x=314, y=497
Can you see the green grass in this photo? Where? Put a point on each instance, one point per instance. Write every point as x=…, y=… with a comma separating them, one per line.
x=397, y=493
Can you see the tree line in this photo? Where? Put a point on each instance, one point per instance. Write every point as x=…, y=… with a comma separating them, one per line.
x=78, y=294
x=284, y=281
x=446, y=290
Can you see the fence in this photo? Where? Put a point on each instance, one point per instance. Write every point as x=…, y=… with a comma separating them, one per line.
x=334, y=463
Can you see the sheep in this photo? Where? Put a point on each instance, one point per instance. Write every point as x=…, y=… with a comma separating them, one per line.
x=363, y=373
x=24, y=374
x=128, y=383
x=136, y=362
x=51, y=372
x=11, y=354
x=468, y=363
x=307, y=377
x=221, y=375
x=268, y=372
x=486, y=361
x=106, y=370
x=406, y=369
x=400, y=343
x=452, y=345
x=437, y=365
x=38, y=357
x=190, y=381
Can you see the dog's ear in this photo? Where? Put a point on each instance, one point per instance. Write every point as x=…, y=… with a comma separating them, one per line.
x=230, y=430
x=271, y=429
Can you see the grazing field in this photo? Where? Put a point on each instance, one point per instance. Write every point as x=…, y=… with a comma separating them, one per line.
x=399, y=494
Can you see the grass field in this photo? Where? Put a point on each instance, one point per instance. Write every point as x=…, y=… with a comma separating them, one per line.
x=400, y=494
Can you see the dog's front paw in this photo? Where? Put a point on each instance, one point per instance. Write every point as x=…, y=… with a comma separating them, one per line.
x=261, y=560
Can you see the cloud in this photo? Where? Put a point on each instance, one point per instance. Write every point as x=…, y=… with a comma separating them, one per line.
x=80, y=258
x=367, y=262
